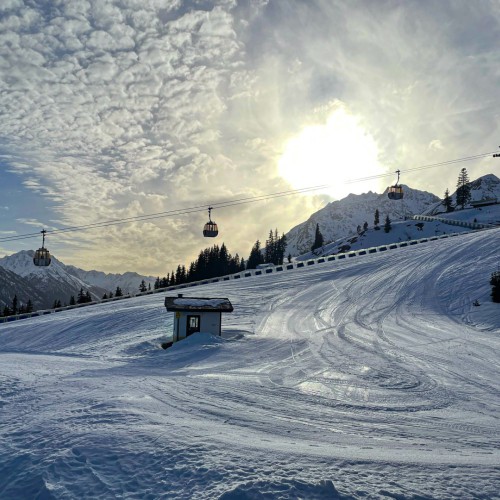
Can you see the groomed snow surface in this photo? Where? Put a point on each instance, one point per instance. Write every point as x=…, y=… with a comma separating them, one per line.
x=373, y=377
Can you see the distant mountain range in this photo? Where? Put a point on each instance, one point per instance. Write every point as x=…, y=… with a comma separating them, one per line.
x=44, y=285
x=338, y=222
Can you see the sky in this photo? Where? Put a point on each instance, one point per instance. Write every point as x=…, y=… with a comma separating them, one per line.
x=116, y=109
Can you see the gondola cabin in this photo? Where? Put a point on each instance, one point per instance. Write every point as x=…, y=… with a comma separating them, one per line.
x=42, y=256
x=395, y=193
x=210, y=230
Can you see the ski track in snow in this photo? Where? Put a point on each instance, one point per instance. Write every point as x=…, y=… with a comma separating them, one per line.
x=368, y=378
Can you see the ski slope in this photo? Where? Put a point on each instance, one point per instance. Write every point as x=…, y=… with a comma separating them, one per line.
x=372, y=377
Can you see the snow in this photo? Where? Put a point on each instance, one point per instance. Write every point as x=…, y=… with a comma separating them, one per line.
x=197, y=302
x=408, y=230
x=488, y=214
x=373, y=377
x=340, y=218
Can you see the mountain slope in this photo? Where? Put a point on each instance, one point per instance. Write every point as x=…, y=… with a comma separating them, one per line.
x=58, y=281
x=373, y=377
x=409, y=230
x=129, y=282
x=485, y=187
x=52, y=282
x=341, y=218
x=12, y=284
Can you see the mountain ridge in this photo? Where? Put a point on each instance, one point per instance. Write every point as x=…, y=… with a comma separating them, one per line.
x=339, y=219
x=44, y=285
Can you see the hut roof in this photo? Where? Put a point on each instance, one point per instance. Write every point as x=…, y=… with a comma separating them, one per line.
x=202, y=304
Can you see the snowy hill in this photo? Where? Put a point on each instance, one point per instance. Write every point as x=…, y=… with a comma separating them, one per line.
x=485, y=187
x=373, y=377
x=408, y=230
x=58, y=281
x=341, y=218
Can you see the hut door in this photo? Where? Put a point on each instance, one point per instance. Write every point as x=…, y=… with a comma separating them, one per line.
x=193, y=325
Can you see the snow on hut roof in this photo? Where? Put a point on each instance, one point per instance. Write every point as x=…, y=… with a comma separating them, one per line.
x=198, y=304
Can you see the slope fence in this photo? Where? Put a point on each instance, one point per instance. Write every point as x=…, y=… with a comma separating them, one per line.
x=270, y=270
x=451, y=222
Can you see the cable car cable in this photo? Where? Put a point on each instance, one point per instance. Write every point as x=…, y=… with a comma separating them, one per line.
x=230, y=203
x=169, y=213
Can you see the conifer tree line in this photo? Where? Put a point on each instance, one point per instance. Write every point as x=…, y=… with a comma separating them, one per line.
x=217, y=261
x=211, y=262
x=16, y=307
x=275, y=249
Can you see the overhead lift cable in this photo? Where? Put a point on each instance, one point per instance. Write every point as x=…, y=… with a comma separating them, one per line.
x=230, y=203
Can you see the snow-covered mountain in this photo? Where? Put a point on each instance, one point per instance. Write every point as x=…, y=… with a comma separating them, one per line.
x=486, y=187
x=44, y=285
x=129, y=282
x=12, y=284
x=408, y=230
x=341, y=218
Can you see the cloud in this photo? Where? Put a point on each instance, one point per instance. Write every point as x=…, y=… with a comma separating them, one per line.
x=114, y=109
x=436, y=145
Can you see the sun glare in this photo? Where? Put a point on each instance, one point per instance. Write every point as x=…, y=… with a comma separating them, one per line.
x=331, y=154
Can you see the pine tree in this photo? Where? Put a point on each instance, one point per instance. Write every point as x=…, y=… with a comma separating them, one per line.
x=118, y=292
x=14, y=305
x=281, y=249
x=222, y=262
x=142, y=286
x=81, y=297
x=365, y=226
x=255, y=257
x=178, y=274
x=376, y=219
x=88, y=297
x=318, y=239
x=269, y=251
x=29, y=306
x=463, y=188
x=72, y=301
x=495, y=284
x=387, y=225
x=447, y=201
x=105, y=296
x=165, y=282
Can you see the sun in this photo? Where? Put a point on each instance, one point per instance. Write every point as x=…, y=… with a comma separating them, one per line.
x=338, y=151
